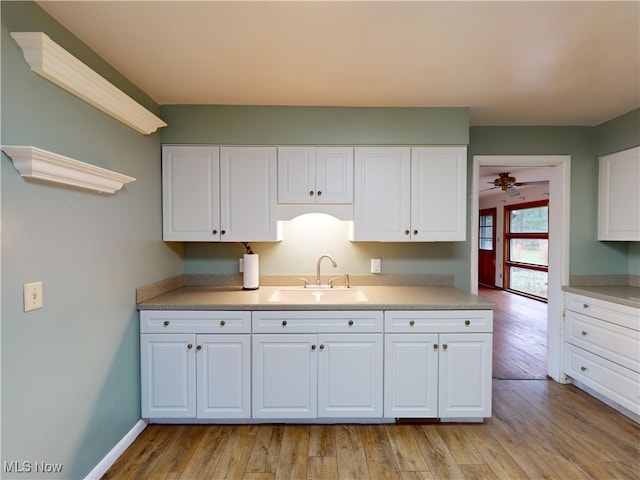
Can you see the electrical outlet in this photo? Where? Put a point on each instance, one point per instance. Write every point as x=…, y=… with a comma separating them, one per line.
x=375, y=265
x=32, y=296
x=241, y=265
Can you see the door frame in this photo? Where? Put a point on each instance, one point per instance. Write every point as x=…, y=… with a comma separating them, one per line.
x=494, y=213
x=559, y=197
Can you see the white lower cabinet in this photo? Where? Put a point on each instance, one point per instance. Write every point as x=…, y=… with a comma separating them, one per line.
x=317, y=375
x=271, y=365
x=195, y=375
x=602, y=350
x=438, y=375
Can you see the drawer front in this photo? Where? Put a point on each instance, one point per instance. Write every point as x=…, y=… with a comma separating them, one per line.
x=317, y=322
x=622, y=315
x=186, y=321
x=618, y=344
x=607, y=378
x=436, y=321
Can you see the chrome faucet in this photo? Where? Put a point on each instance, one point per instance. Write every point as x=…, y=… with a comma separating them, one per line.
x=318, y=266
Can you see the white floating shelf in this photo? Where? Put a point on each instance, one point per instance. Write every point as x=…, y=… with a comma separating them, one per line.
x=51, y=61
x=40, y=164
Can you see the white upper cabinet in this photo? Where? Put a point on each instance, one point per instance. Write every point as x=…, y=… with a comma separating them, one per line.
x=438, y=193
x=248, y=194
x=410, y=194
x=619, y=196
x=215, y=193
x=315, y=175
x=190, y=193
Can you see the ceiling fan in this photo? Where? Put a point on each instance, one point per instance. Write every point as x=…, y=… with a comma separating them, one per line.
x=507, y=184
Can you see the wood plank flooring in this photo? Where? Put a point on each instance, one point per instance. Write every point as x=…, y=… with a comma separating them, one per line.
x=519, y=336
x=539, y=429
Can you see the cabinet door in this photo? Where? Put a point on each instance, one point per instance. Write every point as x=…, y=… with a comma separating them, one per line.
x=334, y=175
x=248, y=194
x=168, y=376
x=224, y=376
x=296, y=175
x=284, y=383
x=619, y=196
x=411, y=375
x=350, y=375
x=465, y=375
x=438, y=193
x=190, y=195
x=381, y=202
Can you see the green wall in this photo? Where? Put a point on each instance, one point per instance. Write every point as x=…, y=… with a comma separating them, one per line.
x=70, y=375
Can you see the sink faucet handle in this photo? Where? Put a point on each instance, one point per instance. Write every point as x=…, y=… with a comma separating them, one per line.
x=331, y=281
x=306, y=282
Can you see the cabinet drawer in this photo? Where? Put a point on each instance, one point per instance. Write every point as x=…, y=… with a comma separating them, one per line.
x=615, y=382
x=618, y=344
x=324, y=321
x=437, y=321
x=186, y=321
x=622, y=315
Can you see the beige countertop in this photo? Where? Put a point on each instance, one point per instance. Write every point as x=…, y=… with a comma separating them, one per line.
x=621, y=294
x=378, y=298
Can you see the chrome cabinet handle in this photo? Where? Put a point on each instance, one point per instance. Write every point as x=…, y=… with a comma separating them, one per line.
x=222, y=323
x=350, y=322
x=189, y=346
x=407, y=232
x=435, y=346
x=412, y=322
x=166, y=323
x=284, y=323
x=313, y=347
x=583, y=332
x=321, y=347
x=319, y=193
x=199, y=347
x=467, y=322
x=444, y=347
x=415, y=232
x=585, y=305
x=311, y=192
x=584, y=369
x=215, y=232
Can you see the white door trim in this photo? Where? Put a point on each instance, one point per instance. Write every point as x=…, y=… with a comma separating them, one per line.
x=559, y=197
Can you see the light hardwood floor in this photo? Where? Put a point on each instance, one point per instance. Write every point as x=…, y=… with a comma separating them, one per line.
x=539, y=430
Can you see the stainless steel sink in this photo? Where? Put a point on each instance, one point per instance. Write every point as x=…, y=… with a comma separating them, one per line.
x=309, y=295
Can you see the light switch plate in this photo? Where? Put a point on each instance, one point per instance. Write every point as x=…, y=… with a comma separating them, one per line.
x=375, y=265
x=32, y=296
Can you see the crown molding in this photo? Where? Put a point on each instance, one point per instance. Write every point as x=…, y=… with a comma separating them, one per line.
x=51, y=61
x=40, y=164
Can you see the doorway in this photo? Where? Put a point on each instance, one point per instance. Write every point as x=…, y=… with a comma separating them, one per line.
x=559, y=190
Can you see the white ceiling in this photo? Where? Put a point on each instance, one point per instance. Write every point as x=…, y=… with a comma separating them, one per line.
x=511, y=63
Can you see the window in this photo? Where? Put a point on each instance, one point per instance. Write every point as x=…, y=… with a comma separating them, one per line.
x=486, y=233
x=526, y=265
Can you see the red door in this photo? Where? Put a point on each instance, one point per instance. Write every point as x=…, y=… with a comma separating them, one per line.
x=487, y=247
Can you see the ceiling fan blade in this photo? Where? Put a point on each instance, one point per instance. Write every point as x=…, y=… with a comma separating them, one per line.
x=487, y=189
x=538, y=182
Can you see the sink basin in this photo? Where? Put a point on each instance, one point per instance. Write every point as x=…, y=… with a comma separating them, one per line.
x=333, y=295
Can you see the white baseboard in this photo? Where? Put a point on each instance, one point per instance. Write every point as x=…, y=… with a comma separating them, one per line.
x=111, y=457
